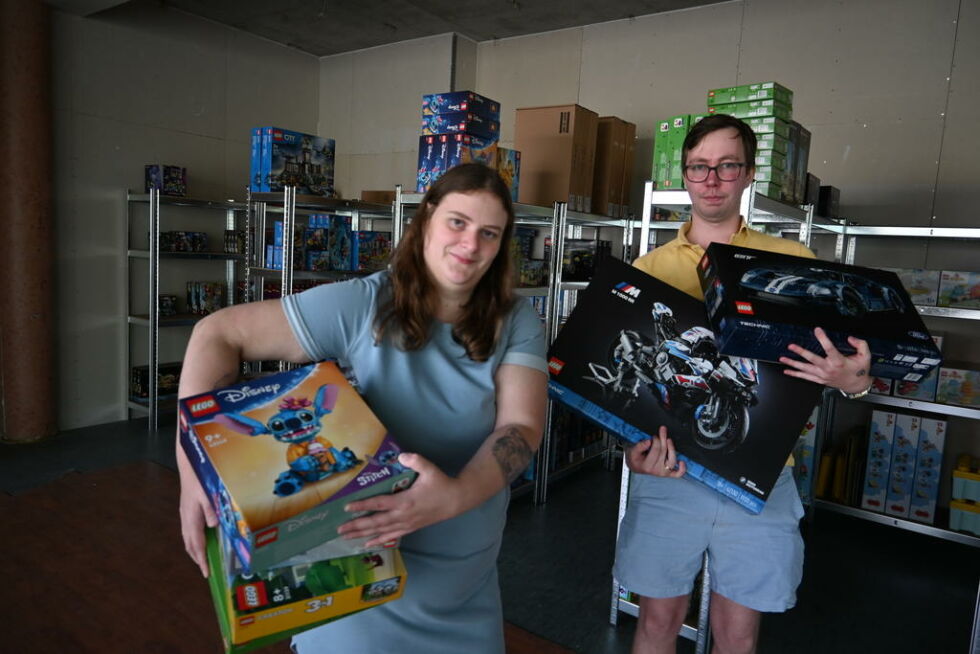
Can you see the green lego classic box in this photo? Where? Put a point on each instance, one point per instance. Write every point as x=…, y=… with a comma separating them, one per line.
x=757, y=91
x=754, y=109
x=256, y=609
x=770, y=158
x=769, y=125
x=280, y=456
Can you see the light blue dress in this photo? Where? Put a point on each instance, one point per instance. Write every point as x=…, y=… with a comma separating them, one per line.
x=440, y=404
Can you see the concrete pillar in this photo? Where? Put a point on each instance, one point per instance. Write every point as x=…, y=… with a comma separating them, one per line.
x=27, y=297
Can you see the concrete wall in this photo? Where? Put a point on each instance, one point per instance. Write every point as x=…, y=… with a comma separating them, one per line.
x=140, y=84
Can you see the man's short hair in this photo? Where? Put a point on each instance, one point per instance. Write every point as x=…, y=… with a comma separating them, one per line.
x=713, y=123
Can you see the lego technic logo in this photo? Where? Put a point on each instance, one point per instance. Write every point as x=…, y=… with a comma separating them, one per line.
x=246, y=392
x=626, y=291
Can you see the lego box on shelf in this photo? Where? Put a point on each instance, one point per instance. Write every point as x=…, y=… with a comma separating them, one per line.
x=881, y=434
x=958, y=385
x=760, y=302
x=169, y=180
x=964, y=516
x=461, y=122
x=280, y=456
x=881, y=386
x=288, y=158
x=255, y=609
x=635, y=354
x=959, y=289
x=803, y=457
x=966, y=479
x=922, y=285
x=928, y=465
x=746, y=92
x=901, y=475
x=466, y=148
x=434, y=104
x=509, y=169
x=754, y=109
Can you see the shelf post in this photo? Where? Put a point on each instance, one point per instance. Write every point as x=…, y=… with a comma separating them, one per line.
x=154, y=327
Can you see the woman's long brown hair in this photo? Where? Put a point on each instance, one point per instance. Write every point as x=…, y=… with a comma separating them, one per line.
x=407, y=312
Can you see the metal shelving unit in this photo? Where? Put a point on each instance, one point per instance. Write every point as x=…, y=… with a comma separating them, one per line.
x=558, y=220
x=151, y=320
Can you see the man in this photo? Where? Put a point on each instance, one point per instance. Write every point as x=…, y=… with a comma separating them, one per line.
x=756, y=561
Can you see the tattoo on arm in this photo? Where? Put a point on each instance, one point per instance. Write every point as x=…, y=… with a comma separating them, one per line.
x=512, y=453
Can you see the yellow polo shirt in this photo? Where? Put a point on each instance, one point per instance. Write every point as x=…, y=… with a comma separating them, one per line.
x=676, y=262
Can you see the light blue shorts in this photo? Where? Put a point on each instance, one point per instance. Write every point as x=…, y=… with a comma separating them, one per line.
x=755, y=560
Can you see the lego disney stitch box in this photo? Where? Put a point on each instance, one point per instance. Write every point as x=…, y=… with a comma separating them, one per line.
x=280, y=456
x=635, y=355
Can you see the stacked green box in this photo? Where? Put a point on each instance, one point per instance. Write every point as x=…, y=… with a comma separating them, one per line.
x=769, y=157
x=760, y=91
x=667, y=148
x=754, y=109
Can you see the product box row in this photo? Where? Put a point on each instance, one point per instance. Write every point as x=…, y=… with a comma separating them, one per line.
x=957, y=289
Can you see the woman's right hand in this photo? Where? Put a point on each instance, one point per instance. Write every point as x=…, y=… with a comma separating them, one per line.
x=195, y=513
x=655, y=457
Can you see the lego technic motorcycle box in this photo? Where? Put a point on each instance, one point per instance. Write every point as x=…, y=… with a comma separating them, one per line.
x=759, y=302
x=281, y=455
x=636, y=354
x=258, y=608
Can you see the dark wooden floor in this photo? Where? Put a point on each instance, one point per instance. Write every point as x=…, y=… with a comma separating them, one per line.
x=94, y=562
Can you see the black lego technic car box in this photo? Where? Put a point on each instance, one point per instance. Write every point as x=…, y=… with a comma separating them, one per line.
x=759, y=302
x=636, y=354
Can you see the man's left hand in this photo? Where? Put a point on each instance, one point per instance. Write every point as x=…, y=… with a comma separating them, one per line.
x=848, y=373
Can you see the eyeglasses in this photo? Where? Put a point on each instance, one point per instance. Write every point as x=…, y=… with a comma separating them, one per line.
x=726, y=172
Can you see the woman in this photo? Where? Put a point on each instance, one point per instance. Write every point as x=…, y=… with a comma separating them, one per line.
x=454, y=366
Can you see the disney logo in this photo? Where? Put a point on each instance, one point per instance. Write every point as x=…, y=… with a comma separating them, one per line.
x=245, y=392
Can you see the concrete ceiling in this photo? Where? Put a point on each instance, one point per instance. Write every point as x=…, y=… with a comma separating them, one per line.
x=326, y=27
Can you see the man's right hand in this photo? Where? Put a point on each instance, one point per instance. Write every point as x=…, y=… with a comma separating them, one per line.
x=195, y=513
x=655, y=457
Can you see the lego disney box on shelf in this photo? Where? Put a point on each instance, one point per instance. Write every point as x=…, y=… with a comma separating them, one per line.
x=281, y=455
x=255, y=609
x=760, y=302
x=635, y=354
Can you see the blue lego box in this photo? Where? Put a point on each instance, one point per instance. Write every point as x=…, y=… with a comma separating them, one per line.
x=428, y=163
x=280, y=456
x=759, y=302
x=340, y=244
x=881, y=435
x=372, y=250
x=255, y=165
x=928, y=465
x=803, y=458
x=461, y=122
x=635, y=355
x=288, y=158
x=169, y=180
x=434, y=104
x=466, y=148
x=509, y=168
x=901, y=475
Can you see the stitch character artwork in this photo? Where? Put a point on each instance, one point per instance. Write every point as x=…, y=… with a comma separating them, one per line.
x=311, y=457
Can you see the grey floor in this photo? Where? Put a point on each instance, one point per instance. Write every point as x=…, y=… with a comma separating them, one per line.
x=866, y=587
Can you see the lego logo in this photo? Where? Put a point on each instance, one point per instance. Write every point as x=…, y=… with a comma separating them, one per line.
x=247, y=620
x=263, y=538
x=555, y=365
x=744, y=307
x=203, y=406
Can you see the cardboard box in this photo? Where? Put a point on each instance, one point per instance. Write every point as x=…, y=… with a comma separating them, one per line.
x=754, y=109
x=461, y=122
x=260, y=608
x=610, y=165
x=509, y=169
x=811, y=194
x=757, y=91
x=924, y=390
x=290, y=158
x=958, y=385
x=803, y=457
x=169, y=180
x=557, y=147
x=281, y=491
x=770, y=190
x=769, y=125
x=623, y=359
x=828, y=202
x=928, y=465
x=801, y=164
x=921, y=285
x=378, y=197
x=959, y=289
x=772, y=141
x=770, y=158
x=880, y=437
x=434, y=104
x=901, y=475
x=624, y=207
x=661, y=153
x=760, y=302
x=770, y=174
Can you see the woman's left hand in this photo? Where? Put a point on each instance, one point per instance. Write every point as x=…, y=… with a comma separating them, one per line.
x=848, y=373
x=432, y=498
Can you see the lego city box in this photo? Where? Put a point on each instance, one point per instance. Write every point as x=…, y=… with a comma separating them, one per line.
x=288, y=158
x=636, y=354
x=759, y=302
x=258, y=608
x=280, y=456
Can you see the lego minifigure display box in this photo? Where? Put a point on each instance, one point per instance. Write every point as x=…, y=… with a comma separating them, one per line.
x=282, y=455
x=759, y=302
x=635, y=354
